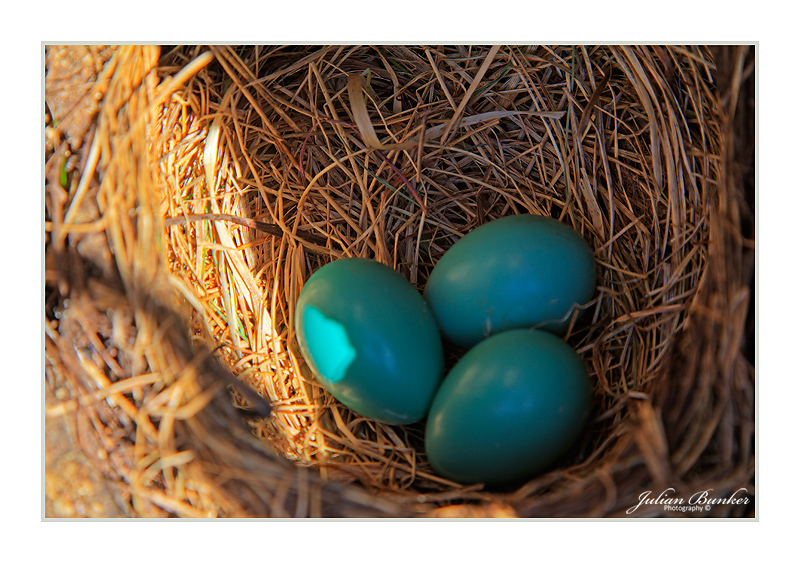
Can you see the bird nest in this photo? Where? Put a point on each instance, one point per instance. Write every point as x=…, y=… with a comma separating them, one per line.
x=210, y=183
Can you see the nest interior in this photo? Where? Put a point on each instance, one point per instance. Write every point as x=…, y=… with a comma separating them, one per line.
x=214, y=180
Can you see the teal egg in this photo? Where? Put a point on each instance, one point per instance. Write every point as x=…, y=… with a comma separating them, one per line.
x=370, y=339
x=510, y=408
x=515, y=272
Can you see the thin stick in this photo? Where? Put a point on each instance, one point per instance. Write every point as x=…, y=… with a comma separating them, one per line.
x=269, y=228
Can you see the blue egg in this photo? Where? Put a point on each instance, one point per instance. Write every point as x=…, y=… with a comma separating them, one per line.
x=370, y=339
x=514, y=272
x=510, y=408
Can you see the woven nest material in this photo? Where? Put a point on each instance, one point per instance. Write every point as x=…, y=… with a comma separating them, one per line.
x=207, y=184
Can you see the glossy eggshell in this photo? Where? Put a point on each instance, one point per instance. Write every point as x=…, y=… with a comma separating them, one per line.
x=515, y=272
x=510, y=408
x=370, y=339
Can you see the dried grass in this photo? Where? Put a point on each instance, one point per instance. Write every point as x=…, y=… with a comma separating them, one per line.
x=393, y=153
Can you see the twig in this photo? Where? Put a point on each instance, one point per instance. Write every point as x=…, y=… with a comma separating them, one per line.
x=269, y=228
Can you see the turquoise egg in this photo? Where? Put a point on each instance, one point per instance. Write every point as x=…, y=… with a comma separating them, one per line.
x=510, y=408
x=370, y=339
x=515, y=272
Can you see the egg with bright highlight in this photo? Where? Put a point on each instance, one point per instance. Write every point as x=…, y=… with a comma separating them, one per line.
x=370, y=339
